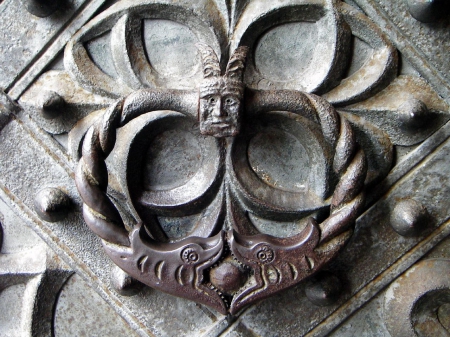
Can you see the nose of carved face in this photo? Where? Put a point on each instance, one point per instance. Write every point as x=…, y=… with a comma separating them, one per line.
x=217, y=111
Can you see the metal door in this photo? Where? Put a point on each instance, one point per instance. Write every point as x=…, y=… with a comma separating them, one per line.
x=224, y=168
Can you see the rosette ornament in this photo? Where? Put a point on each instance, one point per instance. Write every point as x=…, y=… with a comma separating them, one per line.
x=220, y=139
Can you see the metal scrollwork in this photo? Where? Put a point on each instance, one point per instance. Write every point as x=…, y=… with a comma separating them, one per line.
x=253, y=154
x=225, y=151
x=272, y=264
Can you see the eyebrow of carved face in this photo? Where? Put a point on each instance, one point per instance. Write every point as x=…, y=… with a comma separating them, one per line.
x=237, y=91
x=210, y=88
x=221, y=86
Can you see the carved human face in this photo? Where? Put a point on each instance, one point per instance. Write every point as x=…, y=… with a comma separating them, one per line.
x=220, y=107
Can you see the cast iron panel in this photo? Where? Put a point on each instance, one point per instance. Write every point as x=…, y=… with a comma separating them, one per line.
x=280, y=164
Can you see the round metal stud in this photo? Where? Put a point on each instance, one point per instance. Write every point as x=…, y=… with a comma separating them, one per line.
x=413, y=114
x=40, y=8
x=228, y=277
x=426, y=10
x=123, y=283
x=323, y=289
x=52, y=204
x=409, y=217
x=52, y=104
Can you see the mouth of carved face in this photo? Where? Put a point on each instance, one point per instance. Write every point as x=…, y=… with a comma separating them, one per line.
x=220, y=108
x=220, y=128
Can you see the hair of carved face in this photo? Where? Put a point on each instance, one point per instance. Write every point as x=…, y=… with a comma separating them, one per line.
x=222, y=86
x=211, y=65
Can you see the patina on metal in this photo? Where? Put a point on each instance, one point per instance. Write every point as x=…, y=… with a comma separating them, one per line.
x=273, y=264
x=223, y=151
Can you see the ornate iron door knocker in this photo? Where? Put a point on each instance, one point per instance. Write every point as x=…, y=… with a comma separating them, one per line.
x=225, y=151
x=229, y=270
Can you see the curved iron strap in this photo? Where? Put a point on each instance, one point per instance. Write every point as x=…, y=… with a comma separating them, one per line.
x=178, y=268
x=173, y=268
x=278, y=263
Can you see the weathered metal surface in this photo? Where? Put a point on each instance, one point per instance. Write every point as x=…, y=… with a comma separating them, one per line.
x=426, y=50
x=25, y=35
x=81, y=312
x=27, y=265
x=74, y=17
x=227, y=186
x=416, y=297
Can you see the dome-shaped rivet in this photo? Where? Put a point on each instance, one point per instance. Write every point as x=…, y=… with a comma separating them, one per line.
x=52, y=204
x=413, y=114
x=409, y=217
x=52, y=104
x=323, y=289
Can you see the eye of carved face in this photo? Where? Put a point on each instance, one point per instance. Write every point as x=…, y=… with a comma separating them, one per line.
x=220, y=108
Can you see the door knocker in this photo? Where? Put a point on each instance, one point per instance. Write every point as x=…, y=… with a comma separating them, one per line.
x=233, y=265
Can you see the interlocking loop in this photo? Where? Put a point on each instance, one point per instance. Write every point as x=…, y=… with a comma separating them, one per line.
x=179, y=268
x=295, y=258
x=174, y=268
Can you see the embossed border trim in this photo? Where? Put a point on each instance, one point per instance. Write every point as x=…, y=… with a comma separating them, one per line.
x=407, y=48
x=56, y=45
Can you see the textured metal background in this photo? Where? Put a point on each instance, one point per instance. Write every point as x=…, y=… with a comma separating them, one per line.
x=55, y=279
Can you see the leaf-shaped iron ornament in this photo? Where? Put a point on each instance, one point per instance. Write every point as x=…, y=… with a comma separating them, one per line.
x=260, y=265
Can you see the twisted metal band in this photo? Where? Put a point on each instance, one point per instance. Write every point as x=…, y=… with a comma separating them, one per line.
x=349, y=163
x=103, y=217
x=99, y=212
